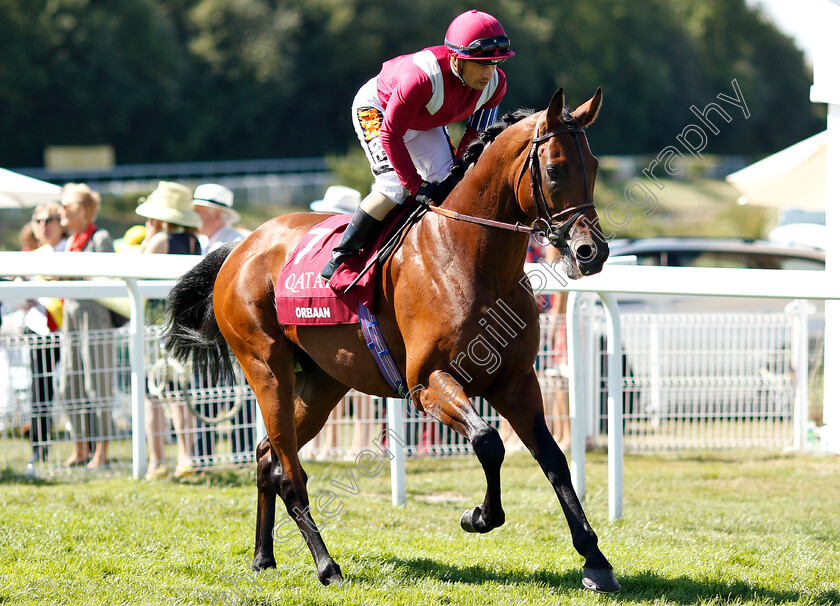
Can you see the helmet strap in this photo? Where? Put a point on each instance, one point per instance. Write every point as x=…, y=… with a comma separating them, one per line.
x=457, y=64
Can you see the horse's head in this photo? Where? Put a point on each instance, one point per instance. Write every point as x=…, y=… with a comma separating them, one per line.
x=562, y=179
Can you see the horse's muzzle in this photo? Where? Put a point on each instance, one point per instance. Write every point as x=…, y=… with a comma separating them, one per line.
x=588, y=255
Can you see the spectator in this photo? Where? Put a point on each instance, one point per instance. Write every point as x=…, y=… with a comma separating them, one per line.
x=47, y=228
x=214, y=204
x=87, y=358
x=28, y=239
x=557, y=366
x=338, y=199
x=171, y=228
x=44, y=319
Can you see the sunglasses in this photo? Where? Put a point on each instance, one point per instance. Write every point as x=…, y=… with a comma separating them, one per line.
x=485, y=47
x=45, y=220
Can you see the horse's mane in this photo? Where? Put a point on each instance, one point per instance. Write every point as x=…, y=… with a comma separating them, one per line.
x=474, y=150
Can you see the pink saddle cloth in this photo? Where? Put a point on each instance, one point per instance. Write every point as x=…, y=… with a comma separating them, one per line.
x=301, y=294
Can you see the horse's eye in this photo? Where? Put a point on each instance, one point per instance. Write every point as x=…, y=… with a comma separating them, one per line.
x=556, y=172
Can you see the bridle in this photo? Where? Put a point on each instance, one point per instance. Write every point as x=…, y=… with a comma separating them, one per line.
x=546, y=225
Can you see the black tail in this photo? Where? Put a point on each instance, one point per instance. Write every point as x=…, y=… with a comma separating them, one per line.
x=191, y=331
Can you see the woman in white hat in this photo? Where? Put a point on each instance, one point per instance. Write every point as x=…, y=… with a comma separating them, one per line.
x=171, y=226
x=171, y=222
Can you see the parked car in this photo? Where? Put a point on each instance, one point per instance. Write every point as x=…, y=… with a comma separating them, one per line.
x=800, y=227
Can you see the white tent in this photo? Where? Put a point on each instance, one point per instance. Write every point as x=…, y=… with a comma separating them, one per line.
x=792, y=178
x=20, y=191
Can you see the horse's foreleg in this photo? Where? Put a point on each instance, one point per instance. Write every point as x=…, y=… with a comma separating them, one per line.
x=445, y=400
x=597, y=571
x=523, y=407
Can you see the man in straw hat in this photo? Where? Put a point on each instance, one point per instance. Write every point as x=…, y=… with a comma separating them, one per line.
x=214, y=204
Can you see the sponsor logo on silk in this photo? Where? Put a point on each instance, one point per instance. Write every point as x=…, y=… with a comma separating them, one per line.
x=312, y=312
x=308, y=280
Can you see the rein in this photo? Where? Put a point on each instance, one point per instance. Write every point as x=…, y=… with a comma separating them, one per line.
x=545, y=224
x=480, y=220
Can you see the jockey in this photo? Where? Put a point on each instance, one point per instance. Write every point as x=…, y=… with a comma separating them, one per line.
x=401, y=115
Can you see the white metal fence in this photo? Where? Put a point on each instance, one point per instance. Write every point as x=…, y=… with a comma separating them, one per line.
x=42, y=424
x=690, y=381
x=701, y=380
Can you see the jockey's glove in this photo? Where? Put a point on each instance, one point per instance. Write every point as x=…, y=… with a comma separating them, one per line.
x=429, y=193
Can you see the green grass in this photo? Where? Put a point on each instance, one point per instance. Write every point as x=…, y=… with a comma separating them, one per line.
x=708, y=528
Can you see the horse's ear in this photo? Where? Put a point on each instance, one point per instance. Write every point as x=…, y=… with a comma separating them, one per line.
x=555, y=108
x=587, y=112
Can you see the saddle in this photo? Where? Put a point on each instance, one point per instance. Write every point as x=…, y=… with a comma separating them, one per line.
x=304, y=298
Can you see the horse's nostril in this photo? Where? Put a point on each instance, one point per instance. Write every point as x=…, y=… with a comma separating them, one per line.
x=584, y=253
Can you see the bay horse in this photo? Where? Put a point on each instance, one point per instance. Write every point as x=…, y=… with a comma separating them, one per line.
x=433, y=297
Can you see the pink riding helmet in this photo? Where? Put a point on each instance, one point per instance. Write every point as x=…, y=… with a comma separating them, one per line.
x=477, y=36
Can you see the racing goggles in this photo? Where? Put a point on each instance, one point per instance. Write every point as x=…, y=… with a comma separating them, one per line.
x=484, y=49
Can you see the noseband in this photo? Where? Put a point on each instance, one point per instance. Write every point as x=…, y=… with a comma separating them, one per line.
x=546, y=224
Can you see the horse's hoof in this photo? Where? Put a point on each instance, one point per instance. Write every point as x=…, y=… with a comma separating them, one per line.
x=601, y=580
x=467, y=519
x=331, y=574
x=471, y=521
x=263, y=562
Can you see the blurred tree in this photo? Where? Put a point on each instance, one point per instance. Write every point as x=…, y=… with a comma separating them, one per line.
x=636, y=50
x=737, y=41
x=170, y=80
x=89, y=72
x=244, y=89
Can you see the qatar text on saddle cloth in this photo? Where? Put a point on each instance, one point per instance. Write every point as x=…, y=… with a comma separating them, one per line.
x=303, y=297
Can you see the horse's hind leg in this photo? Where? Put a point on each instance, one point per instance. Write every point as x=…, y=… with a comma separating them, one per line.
x=317, y=395
x=266, y=501
x=445, y=400
x=522, y=405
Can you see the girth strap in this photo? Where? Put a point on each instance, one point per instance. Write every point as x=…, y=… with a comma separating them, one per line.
x=381, y=354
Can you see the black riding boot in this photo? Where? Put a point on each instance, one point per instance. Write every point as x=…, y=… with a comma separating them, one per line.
x=358, y=232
